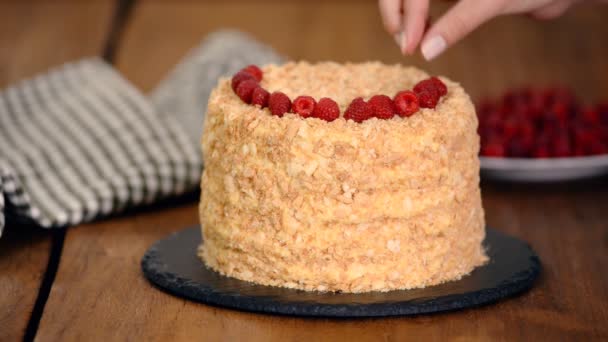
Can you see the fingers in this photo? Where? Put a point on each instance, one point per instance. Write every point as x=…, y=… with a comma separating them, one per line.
x=460, y=20
x=390, y=11
x=553, y=10
x=414, y=19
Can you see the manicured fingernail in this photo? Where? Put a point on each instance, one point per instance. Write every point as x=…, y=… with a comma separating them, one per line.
x=400, y=40
x=433, y=47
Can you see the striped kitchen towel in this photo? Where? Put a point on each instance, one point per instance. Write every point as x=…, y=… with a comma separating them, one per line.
x=185, y=91
x=80, y=142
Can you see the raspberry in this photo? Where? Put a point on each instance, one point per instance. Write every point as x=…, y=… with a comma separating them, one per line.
x=439, y=85
x=303, y=105
x=279, y=103
x=561, y=146
x=327, y=109
x=526, y=129
x=382, y=106
x=579, y=151
x=510, y=127
x=426, y=85
x=495, y=149
x=583, y=135
x=590, y=115
x=358, y=111
x=406, y=103
x=240, y=77
x=254, y=71
x=427, y=98
x=598, y=148
x=429, y=91
x=245, y=90
x=260, y=97
x=560, y=111
x=541, y=151
x=492, y=122
x=516, y=148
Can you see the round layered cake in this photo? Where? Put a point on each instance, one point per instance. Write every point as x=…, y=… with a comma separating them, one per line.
x=341, y=205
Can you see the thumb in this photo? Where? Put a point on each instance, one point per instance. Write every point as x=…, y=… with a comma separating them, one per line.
x=457, y=22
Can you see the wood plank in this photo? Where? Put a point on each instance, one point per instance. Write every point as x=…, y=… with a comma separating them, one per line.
x=24, y=255
x=33, y=37
x=100, y=291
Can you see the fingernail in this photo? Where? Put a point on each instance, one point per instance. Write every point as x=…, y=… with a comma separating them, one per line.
x=433, y=47
x=400, y=40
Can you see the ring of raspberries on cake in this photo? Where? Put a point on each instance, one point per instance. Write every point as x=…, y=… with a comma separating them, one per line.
x=426, y=94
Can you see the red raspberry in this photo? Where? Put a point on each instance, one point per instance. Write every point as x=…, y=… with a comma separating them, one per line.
x=240, y=77
x=561, y=146
x=406, y=103
x=254, y=71
x=541, y=151
x=327, y=109
x=597, y=147
x=382, y=107
x=579, y=151
x=279, y=103
x=526, y=129
x=560, y=111
x=510, y=127
x=590, y=115
x=492, y=122
x=260, y=97
x=426, y=85
x=245, y=90
x=494, y=149
x=303, y=105
x=602, y=108
x=439, y=85
x=358, y=111
x=516, y=148
x=427, y=98
x=583, y=135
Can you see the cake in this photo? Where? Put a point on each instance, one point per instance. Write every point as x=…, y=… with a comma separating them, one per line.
x=341, y=205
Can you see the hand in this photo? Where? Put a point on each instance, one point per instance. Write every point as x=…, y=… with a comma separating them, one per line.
x=406, y=19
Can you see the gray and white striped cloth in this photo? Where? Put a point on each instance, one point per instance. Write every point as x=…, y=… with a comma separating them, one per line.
x=80, y=142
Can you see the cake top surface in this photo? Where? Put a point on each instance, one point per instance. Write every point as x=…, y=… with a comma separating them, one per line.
x=343, y=83
x=340, y=82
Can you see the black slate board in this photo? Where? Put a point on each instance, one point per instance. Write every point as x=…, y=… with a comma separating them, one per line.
x=173, y=266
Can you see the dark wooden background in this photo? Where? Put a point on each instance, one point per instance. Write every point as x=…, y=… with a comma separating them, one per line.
x=85, y=283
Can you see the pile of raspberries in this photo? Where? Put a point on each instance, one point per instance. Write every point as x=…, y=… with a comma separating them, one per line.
x=542, y=123
x=426, y=94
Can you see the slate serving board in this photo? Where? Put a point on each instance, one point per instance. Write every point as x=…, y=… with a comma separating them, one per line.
x=172, y=265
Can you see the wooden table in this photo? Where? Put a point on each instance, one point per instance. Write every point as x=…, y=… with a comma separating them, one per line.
x=85, y=283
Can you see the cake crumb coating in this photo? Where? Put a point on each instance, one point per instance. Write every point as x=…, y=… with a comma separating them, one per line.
x=341, y=206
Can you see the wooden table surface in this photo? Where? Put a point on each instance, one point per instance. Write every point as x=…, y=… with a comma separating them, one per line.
x=84, y=283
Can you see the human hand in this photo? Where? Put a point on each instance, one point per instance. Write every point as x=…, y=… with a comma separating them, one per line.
x=406, y=20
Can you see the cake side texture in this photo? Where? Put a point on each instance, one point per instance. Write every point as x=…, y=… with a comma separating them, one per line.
x=341, y=206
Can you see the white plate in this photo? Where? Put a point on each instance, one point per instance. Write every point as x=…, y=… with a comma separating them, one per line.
x=543, y=170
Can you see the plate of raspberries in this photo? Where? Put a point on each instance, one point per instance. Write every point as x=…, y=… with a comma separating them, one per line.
x=542, y=135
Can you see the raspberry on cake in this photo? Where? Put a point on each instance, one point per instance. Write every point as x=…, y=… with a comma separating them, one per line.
x=350, y=203
x=358, y=111
x=240, y=77
x=382, y=106
x=304, y=106
x=260, y=97
x=406, y=103
x=327, y=109
x=279, y=103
